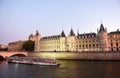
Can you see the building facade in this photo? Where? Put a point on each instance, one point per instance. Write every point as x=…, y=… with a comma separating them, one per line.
x=16, y=46
x=89, y=42
x=3, y=47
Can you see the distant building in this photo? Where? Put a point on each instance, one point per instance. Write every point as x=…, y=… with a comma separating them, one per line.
x=102, y=41
x=31, y=37
x=3, y=47
x=16, y=46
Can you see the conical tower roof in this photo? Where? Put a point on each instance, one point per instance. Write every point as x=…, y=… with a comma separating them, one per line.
x=102, y=28
x=72, y=33
x=77, y=32
x=37, y=33
x=63, y=34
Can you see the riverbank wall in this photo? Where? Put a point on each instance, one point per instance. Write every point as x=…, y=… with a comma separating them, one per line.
x=77, y=55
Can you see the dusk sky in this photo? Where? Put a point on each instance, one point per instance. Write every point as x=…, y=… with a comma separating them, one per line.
x=20, y=18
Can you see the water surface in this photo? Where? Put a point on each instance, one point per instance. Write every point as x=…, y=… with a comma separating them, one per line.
x=67, y=69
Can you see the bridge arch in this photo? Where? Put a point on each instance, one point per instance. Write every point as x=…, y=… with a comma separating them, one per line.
x=1, y=57
x=19, y=55
x=6, y=55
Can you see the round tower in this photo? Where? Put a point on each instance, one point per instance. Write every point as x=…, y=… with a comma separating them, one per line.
x=37, y=41
x=103, y=38
x=31, y=37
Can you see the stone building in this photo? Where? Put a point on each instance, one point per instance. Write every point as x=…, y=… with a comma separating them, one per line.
x=114, y=40
x=16, y=46
x=3, y=47
x=53, y=43
x=87, y=42
x=100, y=41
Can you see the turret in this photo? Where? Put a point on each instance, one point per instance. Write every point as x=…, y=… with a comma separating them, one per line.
x=71, y=33
x=37, y=41
x=63, y=34
x=63, y=41
x=71, y=41
x=77, y=32
x=103, y=38
x=31, y=37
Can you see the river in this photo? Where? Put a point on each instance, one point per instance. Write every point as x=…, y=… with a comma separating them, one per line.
x=67, y=69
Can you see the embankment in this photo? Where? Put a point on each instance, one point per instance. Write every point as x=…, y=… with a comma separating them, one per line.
x=78, y=56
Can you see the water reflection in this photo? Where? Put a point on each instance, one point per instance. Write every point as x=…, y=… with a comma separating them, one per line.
x=67, y=69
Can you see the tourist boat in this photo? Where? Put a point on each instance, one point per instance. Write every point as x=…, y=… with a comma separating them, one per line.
x=34, y=61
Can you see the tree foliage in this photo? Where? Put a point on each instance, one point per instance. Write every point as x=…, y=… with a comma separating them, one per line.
x=28, y=45
x=3, y=49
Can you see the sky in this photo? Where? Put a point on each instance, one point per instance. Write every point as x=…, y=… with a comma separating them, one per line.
x=20, y=18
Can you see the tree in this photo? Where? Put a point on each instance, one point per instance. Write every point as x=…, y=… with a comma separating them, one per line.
x=3, y=49
x=28, y=45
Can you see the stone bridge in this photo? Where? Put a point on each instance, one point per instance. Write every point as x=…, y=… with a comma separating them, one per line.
x=4, y=55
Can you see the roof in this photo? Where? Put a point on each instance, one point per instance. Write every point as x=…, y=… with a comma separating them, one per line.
x=63, y=34
x=37, y=33
x=55, y=36
x=115, y=32
x=31, y=35
x=72, y=33
x=88, y=35
x=51, y=37
x=102, y=28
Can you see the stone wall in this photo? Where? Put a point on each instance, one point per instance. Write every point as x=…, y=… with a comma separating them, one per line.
x=78, y=56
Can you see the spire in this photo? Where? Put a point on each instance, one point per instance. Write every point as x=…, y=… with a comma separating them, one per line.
x=63, y=34
x=72, y=33
x=77, y=32
x=102, y=27
x=37, y=33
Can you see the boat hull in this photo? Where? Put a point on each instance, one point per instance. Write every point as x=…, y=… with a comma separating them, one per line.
x=32, y=62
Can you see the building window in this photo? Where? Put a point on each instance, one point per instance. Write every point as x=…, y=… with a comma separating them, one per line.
x=117, y=49
x=86, y=46
x=96, y=45
x=79, y=46
x=90, y=45
x=93, y=45
x=111, y=49
x=83, y=46
x=111, y=44
x=117, y=44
